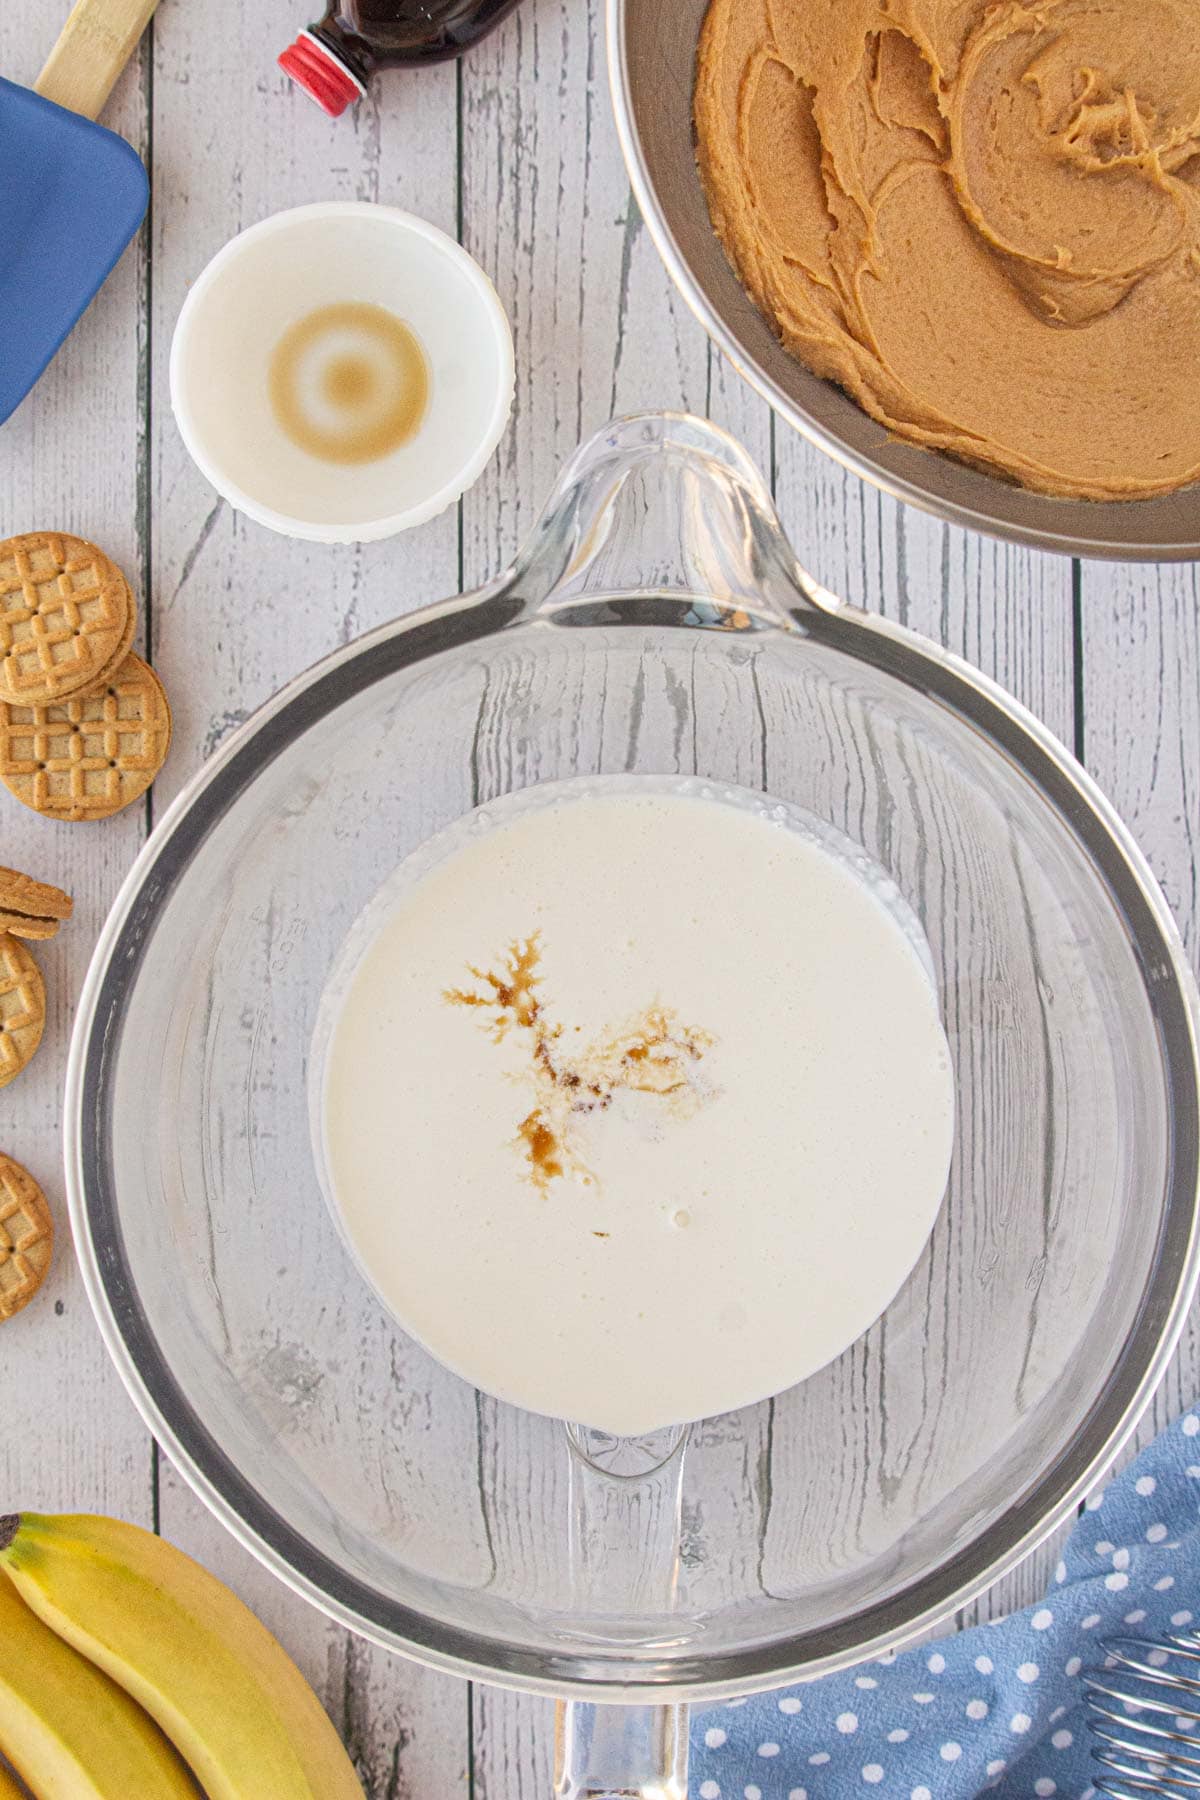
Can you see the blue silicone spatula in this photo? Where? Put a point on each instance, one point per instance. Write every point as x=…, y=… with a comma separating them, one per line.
x=71, y=193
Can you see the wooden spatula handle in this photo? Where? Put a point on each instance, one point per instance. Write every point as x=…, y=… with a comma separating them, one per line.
x=93, y=47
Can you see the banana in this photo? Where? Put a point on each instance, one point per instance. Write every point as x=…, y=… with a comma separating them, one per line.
x=8, y=1787
x=68, y=1731
x=227, y=1695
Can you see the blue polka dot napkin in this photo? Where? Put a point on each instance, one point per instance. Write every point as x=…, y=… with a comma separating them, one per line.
x=998, y=1708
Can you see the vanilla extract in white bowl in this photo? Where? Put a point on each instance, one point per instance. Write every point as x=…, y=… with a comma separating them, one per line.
x=349, y=382
x=632, y=1098
x=341, y=371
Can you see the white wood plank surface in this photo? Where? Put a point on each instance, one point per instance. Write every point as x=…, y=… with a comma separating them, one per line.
x=239, y=610
x=1140, y=737
x=72, y=458
x=515, y=150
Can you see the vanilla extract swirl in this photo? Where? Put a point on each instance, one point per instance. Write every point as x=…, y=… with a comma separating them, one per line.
x=650, y=1054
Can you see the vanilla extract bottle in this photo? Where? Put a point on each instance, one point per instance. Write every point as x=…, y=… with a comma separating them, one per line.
x=334, y=59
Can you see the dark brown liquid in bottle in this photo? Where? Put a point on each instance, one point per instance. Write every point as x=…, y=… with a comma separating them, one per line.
x=378, y=34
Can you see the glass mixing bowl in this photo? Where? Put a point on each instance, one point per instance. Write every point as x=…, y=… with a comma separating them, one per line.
x=657, y=621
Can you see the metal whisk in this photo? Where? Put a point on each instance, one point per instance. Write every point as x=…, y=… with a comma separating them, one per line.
x=1142, y=1707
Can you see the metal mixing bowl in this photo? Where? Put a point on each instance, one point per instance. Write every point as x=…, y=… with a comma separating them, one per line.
x=652, y=54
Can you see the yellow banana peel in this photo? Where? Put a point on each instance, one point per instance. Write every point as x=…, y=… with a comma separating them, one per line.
x=68, y=1731
x=186, y=1649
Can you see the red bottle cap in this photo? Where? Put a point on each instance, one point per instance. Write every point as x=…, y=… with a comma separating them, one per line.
x=323, y=77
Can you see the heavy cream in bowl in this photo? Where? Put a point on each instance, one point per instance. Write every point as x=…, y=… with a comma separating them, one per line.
x=632, y=1099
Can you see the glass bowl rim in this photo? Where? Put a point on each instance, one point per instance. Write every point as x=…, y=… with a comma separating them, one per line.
x=1171, y=994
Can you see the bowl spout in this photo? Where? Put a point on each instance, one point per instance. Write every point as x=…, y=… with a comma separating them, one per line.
x=665, y=504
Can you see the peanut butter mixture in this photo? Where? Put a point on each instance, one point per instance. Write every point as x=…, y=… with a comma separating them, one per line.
x=983, y=220
x=652, y=1054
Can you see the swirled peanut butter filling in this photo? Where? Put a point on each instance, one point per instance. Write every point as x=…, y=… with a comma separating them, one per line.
x=983, y=220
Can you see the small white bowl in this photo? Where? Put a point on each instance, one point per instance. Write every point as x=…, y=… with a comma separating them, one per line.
x=277, y=272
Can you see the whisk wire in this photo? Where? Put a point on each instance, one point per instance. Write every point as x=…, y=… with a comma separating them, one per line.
x=1140, y=1686
x=1102, y=1717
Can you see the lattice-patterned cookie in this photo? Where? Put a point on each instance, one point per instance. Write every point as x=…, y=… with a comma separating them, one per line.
x=22, y=1007
x=67, y=617
x=26, y=1237
x=90, y=755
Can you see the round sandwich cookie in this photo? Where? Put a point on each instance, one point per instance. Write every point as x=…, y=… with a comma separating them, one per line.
x=22, y=1007
x=67, y=617
x=26, y=1237
x=90, y=755
x=29, y=908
